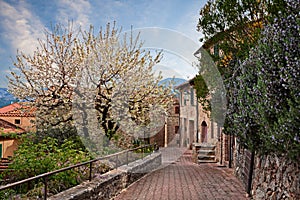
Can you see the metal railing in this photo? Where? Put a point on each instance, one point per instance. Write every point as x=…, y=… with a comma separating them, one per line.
x=45, y=176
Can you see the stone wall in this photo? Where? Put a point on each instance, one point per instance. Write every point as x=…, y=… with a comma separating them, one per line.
x=274, y=177
x=112, y=183
x=241, y=160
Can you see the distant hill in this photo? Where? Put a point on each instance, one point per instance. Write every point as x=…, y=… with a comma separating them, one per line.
x=174, y=81
x=6, y=98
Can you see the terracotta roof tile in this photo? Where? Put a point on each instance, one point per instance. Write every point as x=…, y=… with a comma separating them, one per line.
x=18, y=110
x=10, y=107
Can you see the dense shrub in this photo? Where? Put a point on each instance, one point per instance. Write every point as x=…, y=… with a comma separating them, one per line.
x=264, y=90
x=35, y=157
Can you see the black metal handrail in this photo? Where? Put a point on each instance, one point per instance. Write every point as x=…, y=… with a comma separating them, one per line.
x=90, y=162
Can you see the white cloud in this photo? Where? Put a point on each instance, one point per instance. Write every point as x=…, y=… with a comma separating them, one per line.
x=178, y=51
x=173, y=65
x=169, y=40
x=77, y=11
x=20, y=27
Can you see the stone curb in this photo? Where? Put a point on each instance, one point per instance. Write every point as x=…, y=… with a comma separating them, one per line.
x=110, y=184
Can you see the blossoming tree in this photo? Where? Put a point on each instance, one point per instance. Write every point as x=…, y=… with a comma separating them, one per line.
x=75, y=77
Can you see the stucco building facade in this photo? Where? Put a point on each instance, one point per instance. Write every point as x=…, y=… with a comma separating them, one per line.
x=195, y=123
x=16, y=118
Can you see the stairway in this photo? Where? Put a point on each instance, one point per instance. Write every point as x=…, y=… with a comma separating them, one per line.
x=4, y=162
x=206, y=153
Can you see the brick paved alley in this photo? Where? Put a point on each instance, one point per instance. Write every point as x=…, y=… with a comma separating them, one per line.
x=180, y=178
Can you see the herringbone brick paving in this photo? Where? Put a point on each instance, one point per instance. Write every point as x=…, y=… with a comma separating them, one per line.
x=185, y=180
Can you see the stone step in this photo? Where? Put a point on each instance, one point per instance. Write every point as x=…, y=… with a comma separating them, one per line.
x=206, y=161
x=207, y=147
x=206, y=157
x=2, y=163
x=206, y=152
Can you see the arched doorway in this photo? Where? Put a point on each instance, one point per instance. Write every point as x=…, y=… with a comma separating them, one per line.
x=203, y=132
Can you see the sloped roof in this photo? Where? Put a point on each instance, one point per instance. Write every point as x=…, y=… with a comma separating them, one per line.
x=187, y=83
x=10, y=107
x=17, y=110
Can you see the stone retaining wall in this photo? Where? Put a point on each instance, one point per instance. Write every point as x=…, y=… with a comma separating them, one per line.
x=274, y=177
x=241, y=161
x=110, y=184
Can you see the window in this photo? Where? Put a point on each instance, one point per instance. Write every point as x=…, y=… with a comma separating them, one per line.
x=176, y=129
x=185, y=97
x=17, y=121
x=176, y=109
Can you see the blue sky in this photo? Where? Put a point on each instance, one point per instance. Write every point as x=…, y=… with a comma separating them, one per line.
x=164, y=24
